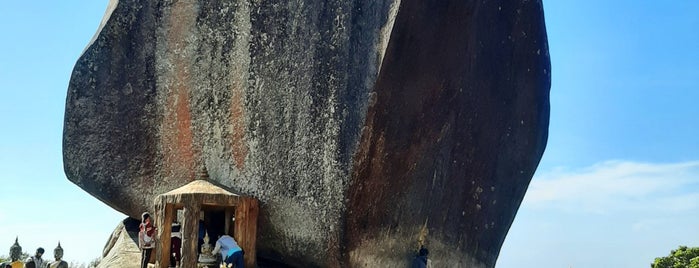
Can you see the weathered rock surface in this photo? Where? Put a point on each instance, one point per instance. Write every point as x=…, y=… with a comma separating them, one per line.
x=122, y=249
x=358, y=124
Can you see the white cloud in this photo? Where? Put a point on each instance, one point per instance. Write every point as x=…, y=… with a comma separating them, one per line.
x=647, y=225
x=617, y=186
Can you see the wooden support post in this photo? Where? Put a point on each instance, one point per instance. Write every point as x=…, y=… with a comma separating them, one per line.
x=158, y=219
x=246, y=228
x=164, y=232
x=190, y=229
x=252, y=231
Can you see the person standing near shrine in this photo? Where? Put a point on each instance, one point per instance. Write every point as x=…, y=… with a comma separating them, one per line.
x=201, y=234
x=231, y=253
x=36, y=260
x=146, y=238
x=175, y=245
x=421, y=260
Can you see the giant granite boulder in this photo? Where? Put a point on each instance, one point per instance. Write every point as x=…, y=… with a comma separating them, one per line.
x=363, y=127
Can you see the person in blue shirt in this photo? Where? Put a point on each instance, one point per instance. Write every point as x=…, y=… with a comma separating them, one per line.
x=230, y=252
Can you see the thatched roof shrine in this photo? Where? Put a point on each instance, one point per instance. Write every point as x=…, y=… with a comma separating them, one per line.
x=199, y=198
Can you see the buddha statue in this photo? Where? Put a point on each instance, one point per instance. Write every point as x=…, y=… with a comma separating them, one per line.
x=58, y=255
x=15, y=255
x=205, y=256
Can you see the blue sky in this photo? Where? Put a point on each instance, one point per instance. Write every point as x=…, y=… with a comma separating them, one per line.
x=41, y=42
x=618, y=184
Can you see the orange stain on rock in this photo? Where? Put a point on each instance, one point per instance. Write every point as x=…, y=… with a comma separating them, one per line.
x=177, y=137
x=240, y=149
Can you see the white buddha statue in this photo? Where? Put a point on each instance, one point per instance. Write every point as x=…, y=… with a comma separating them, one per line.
x=205, y=255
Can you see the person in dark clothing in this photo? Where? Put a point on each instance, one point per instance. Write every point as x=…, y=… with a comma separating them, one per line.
x=175, y=245
x=200, y=236
x=421, y=260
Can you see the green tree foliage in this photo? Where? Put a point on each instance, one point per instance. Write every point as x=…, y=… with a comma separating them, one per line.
x=682, y=257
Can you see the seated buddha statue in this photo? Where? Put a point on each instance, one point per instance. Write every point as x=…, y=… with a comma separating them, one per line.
x=58, y=255
x=205, y=256
x=15, y=255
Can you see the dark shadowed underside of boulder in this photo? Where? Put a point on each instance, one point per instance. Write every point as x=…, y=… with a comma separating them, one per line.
x=359, y=125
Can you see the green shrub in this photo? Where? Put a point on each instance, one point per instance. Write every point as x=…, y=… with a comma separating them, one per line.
x=682, y=257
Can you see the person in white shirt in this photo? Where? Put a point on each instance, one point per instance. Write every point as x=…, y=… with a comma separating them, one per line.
x=36, y=259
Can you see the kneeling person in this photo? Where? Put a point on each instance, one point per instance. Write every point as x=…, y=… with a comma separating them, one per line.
x=230, y=252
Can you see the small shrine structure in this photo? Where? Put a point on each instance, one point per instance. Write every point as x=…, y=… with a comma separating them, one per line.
x=198, y=199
